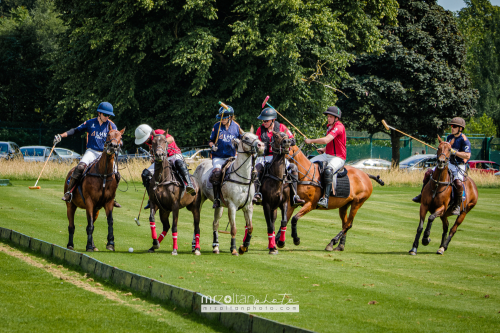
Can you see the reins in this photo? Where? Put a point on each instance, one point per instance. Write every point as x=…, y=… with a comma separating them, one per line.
x=312, y=182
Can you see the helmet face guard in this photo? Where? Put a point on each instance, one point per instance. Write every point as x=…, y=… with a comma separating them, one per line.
x=225, y=113
x=268, y=114
x=334, y=111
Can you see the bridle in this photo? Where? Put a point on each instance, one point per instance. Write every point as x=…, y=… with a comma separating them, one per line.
x=312, y=180
x=441, y=166
x=282, y=149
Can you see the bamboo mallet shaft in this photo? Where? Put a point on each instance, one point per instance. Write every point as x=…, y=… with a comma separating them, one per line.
x=387, y=127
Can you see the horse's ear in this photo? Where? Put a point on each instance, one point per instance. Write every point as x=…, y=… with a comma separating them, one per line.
x=123, y=130
x=110, y=128
x=153, y=134
x=251, y=129
x=440, y=140
x=166, y=132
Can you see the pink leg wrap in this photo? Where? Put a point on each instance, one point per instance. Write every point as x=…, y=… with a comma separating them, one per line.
x=162, y=235
x=246, y=233
x=282, y=235
x=272, y=242
x=197, y=239
x=174, y=238
x=153, y=230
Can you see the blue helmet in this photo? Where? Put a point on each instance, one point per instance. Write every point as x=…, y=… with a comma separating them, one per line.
x=227, y=113
x=105, y=108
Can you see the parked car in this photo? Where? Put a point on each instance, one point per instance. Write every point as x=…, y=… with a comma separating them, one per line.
x=39, y=154
x=484, y=166
x=418, y=162
x=370, y=163
x=9, y=150
x=67, y=154
x=140, y=154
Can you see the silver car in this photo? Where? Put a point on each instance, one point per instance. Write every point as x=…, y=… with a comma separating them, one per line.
x=9, y=150
x=418, y=162
x=370, y=163
x=67, y=154
x=39, y=154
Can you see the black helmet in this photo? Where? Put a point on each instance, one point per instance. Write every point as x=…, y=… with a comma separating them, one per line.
x=334, y=111
x=458, y=121
x=227, y=113
x=268, y=114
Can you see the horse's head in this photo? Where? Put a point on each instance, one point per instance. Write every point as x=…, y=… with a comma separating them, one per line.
x=443, y=153
x=159, y=146
x=113, y=141
x=292, y=152
x=281, y=143
x=250, y=144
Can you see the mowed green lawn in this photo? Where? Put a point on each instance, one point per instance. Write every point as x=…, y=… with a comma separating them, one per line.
x=459, y=291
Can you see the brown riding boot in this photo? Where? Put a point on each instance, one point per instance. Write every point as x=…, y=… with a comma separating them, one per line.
x=427, y=176
x=215, y=179
x=118, y=177
x=257, y=197
x=75, y=178
x=294, y=175
x=459, y=191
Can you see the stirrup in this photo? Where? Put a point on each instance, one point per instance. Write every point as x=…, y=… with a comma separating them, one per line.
x=418, y=198
x=257, y=198
x=323, y=202
x=457, y=210
x=116, y=204
x=298, y=201
x=216, y=203
x=147, y=206
x=70, y=195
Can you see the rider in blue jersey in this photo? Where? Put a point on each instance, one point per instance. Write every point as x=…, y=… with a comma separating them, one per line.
x=97, y=129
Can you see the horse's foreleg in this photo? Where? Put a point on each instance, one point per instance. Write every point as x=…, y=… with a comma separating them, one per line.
x=355, y=205
x=70, y=212
x=303, y=211
x=232, y=221
x=109, y=214
x=196, y=235
x=446, y=225
x=217, y=216
x=426, y=239
x=282, y=232
x=247, y=212
x=343, y=218
x=423, y=212
x=175, y=219
x=152, y=225
x=90, y=226
x=458, y=221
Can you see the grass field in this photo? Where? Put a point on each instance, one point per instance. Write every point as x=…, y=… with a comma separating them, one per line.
x=427, y=293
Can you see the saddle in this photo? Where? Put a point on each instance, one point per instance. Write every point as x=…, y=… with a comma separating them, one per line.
x=343, y=185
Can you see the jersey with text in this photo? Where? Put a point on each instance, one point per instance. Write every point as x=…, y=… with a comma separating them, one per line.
x=337, y=147
x=283, y=129
x=172, y=148
x=225, y=146
x=97, y=134
x=461, y=144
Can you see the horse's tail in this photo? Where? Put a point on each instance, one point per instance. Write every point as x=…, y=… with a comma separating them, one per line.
x=377, y=179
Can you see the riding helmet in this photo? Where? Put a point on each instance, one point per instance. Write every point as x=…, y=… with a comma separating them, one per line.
x=458, y=121
x=334, y=111
x=227, y=113
x=142, y=133
x=105, y=108
x=268, y=114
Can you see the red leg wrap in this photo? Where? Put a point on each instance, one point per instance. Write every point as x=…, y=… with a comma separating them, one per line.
x=246, y=233
x=282, y=235
x=153, y=230
x=272, y=242
x=162, y=235
x=197, y=239
x=174, y=238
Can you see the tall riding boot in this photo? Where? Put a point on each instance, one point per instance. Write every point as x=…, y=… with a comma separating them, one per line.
x=458, y=197
x=257, y=198
x=75, y=178
x=146, y=178
x=183, y=170
x=118, y=177
x=327, y=184
x=294, y=174
x=215, y=179
x=427, y=176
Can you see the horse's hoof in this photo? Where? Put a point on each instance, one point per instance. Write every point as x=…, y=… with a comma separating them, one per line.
x=151, y=250
x=215, y=250
x=339, y=248
x=70, y=247
x=440, y=251
x=242, y=249
x=96, y=249
x=197, y=252
x=273, y=251
x=174, y=252
x=234, y=252
x=90, y=250
x=280, y=244
x=296, y=241
x=329, y=247
x=426, y=241
x=110, y=247
x=156, y=246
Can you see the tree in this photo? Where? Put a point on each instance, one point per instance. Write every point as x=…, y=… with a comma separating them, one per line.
x=482, y=125
x=169, y=63
x=418, y=83
x=479, y=22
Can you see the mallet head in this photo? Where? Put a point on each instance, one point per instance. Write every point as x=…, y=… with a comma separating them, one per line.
x=137, y=221
x=265, y=101
x=385, y=124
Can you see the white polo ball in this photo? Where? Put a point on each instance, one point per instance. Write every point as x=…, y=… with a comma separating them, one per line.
x=130, y=250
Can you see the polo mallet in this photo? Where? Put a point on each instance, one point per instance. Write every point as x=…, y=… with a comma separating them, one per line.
x=264, y=104
x=387, y=127
x=222, y=116
x=138, y=216
x=38, y=187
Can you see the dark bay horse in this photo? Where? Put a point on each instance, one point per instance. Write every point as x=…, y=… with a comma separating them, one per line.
x=309, y=189
x=168, y=194
x=436, y=197
x=275, y=188
x=98, y=189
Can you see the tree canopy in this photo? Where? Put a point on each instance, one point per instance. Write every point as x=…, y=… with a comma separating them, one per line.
x=420, y=81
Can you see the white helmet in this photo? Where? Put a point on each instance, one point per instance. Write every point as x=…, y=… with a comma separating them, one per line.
x=142, y=133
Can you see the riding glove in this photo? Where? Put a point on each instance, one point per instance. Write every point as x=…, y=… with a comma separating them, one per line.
x=57, y=139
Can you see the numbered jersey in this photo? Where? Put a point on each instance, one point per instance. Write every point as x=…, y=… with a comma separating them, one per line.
x=461, y=144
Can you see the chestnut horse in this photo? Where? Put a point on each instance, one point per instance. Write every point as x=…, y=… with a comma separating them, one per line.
x=97, y=190
x=168, y=194
x=436, y=197
x=309, y=189
x=275, y=188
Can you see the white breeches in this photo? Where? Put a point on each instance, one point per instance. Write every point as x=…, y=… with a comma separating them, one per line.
x=92, y=155
x=262, y=159
x=456, y=171
x=172, y=159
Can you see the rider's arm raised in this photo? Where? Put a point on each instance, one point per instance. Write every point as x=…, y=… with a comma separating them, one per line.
x=322, y=141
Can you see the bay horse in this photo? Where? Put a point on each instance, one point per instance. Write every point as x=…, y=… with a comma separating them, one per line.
x=168, y=194
x=309, y=189
x=275, y=188
x=97, y=190
x=237, y=189
x=436, y=199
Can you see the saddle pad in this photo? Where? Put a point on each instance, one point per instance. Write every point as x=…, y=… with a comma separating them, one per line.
x=343, y=188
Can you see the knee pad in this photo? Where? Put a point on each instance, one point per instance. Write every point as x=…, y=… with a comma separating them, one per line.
x=216, y=176
x=146, y=177
x=179, y=164
x=328, y=174
x=293, y=168
x=81, y=167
